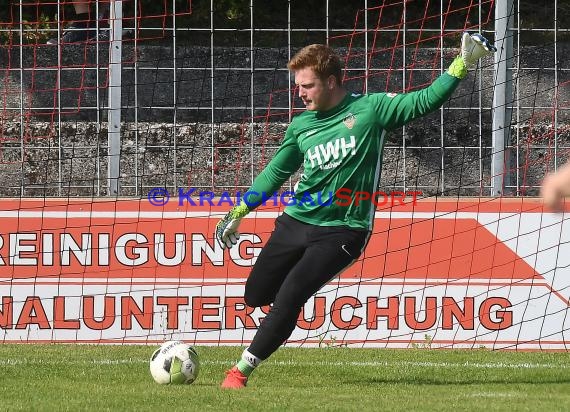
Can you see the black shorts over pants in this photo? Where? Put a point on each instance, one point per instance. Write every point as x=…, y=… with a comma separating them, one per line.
x=298, y=259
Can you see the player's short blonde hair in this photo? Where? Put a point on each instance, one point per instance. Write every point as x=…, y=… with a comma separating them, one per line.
x=319, y=57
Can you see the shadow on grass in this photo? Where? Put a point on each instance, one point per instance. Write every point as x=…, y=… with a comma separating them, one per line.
x=444, y=382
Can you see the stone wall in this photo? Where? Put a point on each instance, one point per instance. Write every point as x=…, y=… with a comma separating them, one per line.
x=52, y=153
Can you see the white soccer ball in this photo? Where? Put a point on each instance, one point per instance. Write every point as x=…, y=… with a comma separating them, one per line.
x=174, y=362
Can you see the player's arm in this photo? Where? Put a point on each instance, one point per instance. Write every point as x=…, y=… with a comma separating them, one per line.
x=555, y=187
x=397, y=110
x=285, y=162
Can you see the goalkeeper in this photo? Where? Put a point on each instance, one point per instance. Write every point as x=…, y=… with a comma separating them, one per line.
x=339, y=140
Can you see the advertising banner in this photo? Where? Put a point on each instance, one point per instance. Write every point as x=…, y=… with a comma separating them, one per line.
x=454, y=273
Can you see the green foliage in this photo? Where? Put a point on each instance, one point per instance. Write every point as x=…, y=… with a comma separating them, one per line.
x=237, y=12
x=234, y=9
x=36, y=32
x=305, y=15
x=113, y=378
x=32, y=31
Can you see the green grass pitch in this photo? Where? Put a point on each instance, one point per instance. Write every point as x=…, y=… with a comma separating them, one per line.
x=116, y=378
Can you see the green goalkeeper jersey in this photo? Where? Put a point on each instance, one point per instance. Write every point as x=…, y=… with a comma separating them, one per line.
x=341, y=149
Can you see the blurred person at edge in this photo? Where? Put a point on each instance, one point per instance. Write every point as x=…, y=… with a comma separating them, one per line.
x=555, y=187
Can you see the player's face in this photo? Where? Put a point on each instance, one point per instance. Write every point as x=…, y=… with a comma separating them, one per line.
x=315, y=93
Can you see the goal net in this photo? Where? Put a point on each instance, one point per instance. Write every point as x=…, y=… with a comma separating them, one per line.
x=122, y=147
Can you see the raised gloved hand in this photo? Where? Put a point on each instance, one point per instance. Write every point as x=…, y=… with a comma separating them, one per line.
x=227, y=228
x=473, y=47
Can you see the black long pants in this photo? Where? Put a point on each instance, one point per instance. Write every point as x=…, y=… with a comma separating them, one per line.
x=296, y=262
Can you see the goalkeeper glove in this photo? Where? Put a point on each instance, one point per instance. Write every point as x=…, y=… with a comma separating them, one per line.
x=473, y=47
x=226, y=229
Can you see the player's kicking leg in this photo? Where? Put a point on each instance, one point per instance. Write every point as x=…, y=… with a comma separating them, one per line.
x=326, y=251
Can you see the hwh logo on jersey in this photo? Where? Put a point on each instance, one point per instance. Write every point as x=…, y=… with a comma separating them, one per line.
x=331, y=151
